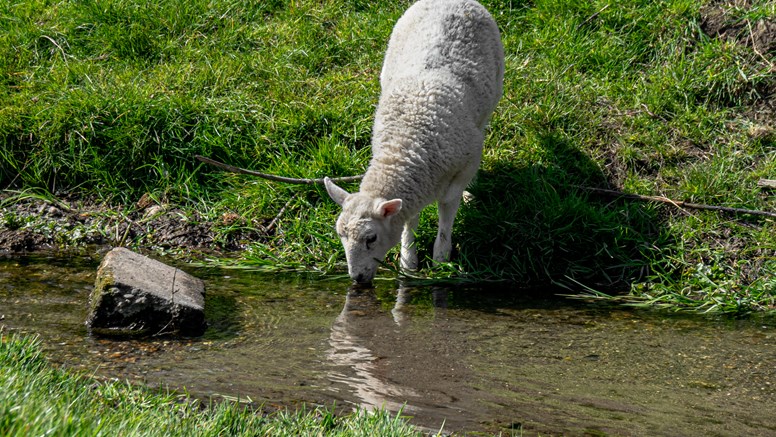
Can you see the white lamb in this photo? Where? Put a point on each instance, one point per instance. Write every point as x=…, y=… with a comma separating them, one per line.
x=441, y=79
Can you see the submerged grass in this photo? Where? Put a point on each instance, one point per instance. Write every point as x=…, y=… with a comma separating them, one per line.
x=672, y=98
x=38, y=399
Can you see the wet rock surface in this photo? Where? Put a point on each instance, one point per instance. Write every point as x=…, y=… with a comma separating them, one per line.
x=137, y=296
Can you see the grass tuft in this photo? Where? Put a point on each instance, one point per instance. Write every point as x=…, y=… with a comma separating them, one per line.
x=38, y=399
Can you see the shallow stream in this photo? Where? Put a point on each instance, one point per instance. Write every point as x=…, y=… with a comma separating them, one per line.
x=465, y=359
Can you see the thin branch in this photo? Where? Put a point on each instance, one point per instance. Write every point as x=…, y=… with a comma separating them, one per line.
x=767, y=183
x=592, y=17
x=678, y=203
x=754, y=46
x=275, y=220
x=163, y=330
x=275, y=178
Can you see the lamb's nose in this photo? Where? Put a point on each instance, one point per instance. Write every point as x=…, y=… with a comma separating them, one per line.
x=362, y=280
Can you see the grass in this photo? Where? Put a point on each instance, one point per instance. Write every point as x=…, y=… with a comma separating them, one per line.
x=114, y=98
x=38, y=399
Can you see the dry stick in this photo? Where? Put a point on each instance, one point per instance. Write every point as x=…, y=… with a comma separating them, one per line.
x=275, y=220
x=126, y=234
x=592, y=17
x=678, y=203
x=172, y=299
x=274, y=178
x=767, y=183
x=754, y=46
x=130, y=223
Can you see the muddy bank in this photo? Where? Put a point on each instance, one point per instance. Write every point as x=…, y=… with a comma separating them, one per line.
x=33, y=224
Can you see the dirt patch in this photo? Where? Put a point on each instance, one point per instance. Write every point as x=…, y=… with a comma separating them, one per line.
x=18, y=242
x=727, y=20
x=730, y=21
x=28, y=225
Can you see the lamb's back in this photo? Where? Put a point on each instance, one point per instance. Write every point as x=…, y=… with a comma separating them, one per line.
x=450, y=38
x=441, y=79
x=423, y=136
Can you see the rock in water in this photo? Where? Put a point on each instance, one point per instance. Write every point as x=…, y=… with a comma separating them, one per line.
x=136, y=295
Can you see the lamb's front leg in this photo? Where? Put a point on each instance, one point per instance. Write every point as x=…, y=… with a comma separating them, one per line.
x=409, y=254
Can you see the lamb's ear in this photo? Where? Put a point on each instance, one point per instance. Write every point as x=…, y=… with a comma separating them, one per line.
x=336, y=193
x=389, y=208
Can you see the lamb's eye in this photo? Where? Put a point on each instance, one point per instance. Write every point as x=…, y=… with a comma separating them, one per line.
x=370, y=240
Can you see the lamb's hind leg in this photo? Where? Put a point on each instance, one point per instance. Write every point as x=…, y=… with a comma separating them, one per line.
x=443, y=244
x=448, y=207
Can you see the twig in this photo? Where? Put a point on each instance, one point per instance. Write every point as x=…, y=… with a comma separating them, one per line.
x=592, y=17
x=163, y=330
x=767, y=183
x=275, y=220
x=678, y=203
x=126, y=234
x=754, y=46
x=130, y=223
x=274, y=178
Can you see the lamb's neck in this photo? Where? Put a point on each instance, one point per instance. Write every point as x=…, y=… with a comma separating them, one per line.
x=393, y=182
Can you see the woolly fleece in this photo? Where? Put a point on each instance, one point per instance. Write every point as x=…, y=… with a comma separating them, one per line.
x=441, y=80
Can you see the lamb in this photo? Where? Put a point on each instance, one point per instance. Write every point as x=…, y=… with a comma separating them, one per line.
x=441, y=79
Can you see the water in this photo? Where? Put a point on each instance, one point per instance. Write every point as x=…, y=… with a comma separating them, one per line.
x=473, y=360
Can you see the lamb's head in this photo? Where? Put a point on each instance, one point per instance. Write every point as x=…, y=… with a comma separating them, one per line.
x=368, y=228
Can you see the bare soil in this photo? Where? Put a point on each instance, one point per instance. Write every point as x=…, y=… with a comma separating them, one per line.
x=720, y=20
x=33, y=224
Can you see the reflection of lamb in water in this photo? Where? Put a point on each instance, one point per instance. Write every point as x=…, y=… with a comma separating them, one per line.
x=361, y=324
x=441, y=79
x=374, y=390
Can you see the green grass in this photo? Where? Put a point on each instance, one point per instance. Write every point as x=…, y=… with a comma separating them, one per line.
x=115, y=97
x=39, y=399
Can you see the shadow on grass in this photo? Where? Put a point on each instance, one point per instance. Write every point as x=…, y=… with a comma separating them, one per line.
x=535, y=226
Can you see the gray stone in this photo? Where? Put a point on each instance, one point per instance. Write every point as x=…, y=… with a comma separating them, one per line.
x=136, y=295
